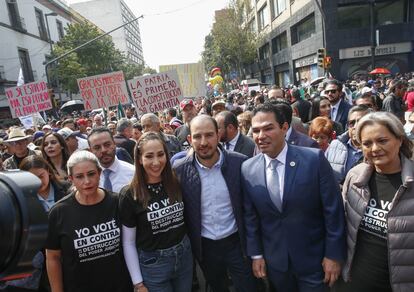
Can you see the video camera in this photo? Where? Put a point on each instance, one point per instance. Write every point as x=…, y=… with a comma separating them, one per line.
x=23, y=224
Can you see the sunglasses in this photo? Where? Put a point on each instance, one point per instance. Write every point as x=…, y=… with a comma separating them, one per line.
x=333, y=91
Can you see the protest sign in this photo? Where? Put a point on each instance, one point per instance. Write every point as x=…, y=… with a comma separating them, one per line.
x=28, y=99
x=191, y=78
x=154, y=93
x=104, y=90
x=30, y=121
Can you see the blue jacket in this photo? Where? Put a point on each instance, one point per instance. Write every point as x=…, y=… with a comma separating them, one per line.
x=190, y=181
x=310, y=226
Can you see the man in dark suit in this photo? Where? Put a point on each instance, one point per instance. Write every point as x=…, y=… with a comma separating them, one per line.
x=295, y=229
x=230, y=135
x=210, y=184
x=339, y=107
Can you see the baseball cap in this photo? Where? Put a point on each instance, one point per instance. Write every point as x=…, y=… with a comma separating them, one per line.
x=66, y=133
x=46, y=127
x=186, y=102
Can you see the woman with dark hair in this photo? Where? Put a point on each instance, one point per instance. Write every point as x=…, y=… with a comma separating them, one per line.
x=50, y=191
x=379, y=208
x=55, y=151
x=156, y=248
x=83, y=249
x=321, y=107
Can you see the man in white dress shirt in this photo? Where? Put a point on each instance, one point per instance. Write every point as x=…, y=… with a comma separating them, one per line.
x=115, y=173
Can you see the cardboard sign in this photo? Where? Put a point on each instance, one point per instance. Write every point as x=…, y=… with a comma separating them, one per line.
x=28, y=99
x=104, y=90
x=191, y=77
x=154, y=93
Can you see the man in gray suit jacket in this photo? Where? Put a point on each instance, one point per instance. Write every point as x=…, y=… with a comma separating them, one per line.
x=230, y=135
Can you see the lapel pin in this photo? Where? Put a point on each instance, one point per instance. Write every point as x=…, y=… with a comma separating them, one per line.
x=292, y=163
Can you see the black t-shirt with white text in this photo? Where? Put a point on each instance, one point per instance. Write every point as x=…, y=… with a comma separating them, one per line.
x=370, y=263
x=89, y=238
x=160, y=225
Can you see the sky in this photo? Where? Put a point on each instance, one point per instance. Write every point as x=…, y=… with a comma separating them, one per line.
x=173, y=32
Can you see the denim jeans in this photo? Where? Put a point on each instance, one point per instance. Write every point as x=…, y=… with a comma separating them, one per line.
x=168, y=270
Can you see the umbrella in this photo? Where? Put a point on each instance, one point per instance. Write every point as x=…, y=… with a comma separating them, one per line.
x=317, y=80
x=380, y=71
x=73, y=105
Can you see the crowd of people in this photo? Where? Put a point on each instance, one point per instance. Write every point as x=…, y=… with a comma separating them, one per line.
x=307, y=188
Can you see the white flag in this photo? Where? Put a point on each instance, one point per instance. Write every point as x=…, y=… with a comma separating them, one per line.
x=20, y=79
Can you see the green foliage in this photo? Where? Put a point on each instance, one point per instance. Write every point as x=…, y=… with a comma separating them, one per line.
x=231, y=44
x=97, y=58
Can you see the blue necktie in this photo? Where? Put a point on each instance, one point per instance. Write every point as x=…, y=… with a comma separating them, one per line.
x=227, y=145
x=107, y=180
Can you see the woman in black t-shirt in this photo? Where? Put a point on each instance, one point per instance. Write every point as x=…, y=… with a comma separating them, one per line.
x=156, y=248
x=379, y=206
x=83, y=246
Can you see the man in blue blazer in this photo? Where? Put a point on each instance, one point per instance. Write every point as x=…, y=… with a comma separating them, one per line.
x=294, y=216
x=339, y=107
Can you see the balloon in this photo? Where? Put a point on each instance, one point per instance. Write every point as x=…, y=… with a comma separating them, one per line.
x=216, y=80
x=215, y=71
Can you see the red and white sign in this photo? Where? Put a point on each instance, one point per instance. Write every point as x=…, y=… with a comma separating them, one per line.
x=28, y=99
x=104, y=90
x=156, y=92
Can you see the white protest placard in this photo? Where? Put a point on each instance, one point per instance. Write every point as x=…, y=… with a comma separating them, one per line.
x=32, y=120
x=104, y=90
x=156, y=92
x=191, y=77
x=28, y=99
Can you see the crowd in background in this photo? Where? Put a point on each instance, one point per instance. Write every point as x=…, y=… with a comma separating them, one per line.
x=166, y=190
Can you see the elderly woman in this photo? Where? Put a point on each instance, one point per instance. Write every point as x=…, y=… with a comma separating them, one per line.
x=321, y=130
x=83, y=247
x=379, y=205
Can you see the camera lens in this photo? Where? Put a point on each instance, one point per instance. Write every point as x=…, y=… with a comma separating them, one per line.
x=23, y=223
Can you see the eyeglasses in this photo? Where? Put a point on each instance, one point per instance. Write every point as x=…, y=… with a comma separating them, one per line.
x=352, y=123
x=333, y=91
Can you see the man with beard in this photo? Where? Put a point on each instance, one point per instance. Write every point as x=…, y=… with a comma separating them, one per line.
x=339, y=107
x=345, y=152
x=230, y=135
x=115, y=173
x=211, y=189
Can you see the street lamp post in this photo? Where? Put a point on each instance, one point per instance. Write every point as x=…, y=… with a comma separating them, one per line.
x=51, y=52
x=373, y=37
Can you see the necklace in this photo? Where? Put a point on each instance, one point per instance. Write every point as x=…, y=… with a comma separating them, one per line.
x=155, y=188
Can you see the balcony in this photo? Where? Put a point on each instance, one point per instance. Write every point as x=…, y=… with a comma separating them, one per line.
x=18, y=23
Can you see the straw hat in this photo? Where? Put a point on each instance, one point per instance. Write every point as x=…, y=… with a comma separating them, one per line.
x=17, y=134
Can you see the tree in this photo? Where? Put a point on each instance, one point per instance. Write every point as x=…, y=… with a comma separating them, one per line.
x=231, y=44
x=98, y=57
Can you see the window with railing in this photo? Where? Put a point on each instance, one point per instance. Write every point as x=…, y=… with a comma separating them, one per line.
x=60, y=30
x=15, y=20
x=41, y=24
x=26, y=65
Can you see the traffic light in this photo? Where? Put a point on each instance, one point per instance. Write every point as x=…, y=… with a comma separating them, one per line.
x=321, y=57
x=328, y=62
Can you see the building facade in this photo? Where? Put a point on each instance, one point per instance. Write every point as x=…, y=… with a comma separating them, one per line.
x=109, y=14
x=292, y=31
x=24, y=31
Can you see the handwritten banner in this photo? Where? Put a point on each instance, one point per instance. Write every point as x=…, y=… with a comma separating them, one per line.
x=28, y=99
x=104, y=90
x=154, y=93
x=191, y=78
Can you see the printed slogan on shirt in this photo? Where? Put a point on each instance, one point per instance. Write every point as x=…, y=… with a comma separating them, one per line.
x=163, y=216
x=100, y=240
